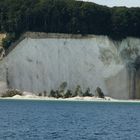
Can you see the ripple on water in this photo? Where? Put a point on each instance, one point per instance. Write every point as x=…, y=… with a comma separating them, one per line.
x=34, y=120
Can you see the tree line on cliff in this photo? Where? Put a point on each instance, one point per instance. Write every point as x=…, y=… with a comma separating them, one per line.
x=67, y=16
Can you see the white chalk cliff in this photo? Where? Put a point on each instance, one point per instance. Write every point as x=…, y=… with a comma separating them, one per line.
x=41, y=62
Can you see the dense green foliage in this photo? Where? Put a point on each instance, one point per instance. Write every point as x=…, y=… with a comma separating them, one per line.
x=67, y=16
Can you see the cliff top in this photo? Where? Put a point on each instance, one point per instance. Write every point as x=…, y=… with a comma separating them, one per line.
x=39, y=35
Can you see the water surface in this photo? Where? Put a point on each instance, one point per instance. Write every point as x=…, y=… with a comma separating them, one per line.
x=63, y=120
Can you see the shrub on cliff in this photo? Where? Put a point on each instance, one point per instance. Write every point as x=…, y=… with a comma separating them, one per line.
x=78, y=91
x=52, y=94
x=87, y=93
x=99, y=92
x=45, y=93
x=6, y=42
x=40, y=94
x=11, y=93
x=68, y=94
x=62, y=89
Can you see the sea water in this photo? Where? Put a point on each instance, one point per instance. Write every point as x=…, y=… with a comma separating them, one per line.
x=67, y=120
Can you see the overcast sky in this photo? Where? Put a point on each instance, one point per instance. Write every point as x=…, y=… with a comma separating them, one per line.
x=128, y=3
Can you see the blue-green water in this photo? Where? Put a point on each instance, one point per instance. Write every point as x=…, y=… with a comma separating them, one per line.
x=52, y=120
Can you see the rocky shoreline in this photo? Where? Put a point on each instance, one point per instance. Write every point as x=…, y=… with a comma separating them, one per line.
x=29, y=96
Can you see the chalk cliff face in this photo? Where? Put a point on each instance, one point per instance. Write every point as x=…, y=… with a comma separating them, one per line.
x=42, y=62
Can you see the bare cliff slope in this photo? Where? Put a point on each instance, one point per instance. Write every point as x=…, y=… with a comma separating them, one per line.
x=41, y=62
